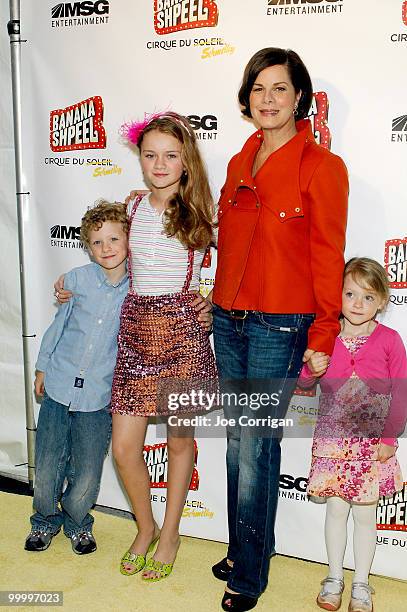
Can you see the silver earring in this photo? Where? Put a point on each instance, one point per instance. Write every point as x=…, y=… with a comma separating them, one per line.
x=295, y=111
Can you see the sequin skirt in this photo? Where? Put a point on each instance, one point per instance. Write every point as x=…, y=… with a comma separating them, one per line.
x=162, y=350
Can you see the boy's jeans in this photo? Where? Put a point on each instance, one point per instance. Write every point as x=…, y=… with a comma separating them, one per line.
x=69, y=445
x=261, y=352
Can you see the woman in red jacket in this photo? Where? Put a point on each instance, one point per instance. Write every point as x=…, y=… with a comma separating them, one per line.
x=277, y=295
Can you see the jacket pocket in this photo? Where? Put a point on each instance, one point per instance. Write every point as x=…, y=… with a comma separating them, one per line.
x=286, y=213
x=241, y=199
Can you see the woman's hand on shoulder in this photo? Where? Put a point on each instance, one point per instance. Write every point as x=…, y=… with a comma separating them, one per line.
x=62, y=295
x=133, y=195
x=203, y=307
x=316, y=361
x=385, y=452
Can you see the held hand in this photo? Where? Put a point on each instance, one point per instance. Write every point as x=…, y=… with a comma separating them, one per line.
x=385, y=452
x=317, y=362
x=133, y=195
x=39, y=383
x=204, y=308
x=60, y=293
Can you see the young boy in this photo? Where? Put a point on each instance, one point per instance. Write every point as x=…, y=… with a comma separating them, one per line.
x=74, y=373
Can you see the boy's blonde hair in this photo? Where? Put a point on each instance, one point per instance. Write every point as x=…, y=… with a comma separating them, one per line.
x=370, y=274
x=104, y=211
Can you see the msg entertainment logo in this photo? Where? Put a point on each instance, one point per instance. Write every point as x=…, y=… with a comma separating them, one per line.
x=303, y=7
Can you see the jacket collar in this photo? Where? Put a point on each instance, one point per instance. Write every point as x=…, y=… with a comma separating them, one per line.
x=279, y=177
x=292, y=149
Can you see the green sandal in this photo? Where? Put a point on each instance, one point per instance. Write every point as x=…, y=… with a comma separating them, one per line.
x=164, y=569
x=137, y=561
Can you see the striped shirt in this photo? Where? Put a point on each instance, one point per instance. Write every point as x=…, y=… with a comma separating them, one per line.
x=159, y=264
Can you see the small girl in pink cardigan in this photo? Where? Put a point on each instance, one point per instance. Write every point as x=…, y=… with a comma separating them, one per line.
x=362, y=411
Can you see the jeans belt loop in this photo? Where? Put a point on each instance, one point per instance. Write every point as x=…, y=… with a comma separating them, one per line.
x=239, y=314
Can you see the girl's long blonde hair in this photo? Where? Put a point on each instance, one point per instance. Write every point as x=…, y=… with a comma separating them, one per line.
x=190, y=212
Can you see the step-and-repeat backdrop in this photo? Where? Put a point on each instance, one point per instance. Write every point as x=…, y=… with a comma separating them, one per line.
x=90, y=66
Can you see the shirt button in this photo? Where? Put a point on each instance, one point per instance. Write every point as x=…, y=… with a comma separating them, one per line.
x=90, y=346
x=257, y=205
x=352, y=362
x=229, y=201
x=241, y=180
x=254, y=187
x=220, y=212
x=100, y=284
x=258, y=135
x=297, y=209
x=100, y=321
x=282, y=214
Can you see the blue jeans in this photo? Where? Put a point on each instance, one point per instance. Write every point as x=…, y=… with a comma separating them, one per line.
x=263, y=352
x=70, y=445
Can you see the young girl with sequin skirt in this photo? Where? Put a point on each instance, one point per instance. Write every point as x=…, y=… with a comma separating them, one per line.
x=361, y=412
x=161, y=343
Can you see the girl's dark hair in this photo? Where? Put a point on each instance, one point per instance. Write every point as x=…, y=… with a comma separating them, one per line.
x=272, y=56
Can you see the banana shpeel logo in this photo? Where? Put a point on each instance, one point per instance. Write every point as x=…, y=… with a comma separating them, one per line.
x=318, y=116
x=395, y=262
x=78, y=127
x=391, y=512
x=180, y=15
x=156, y=458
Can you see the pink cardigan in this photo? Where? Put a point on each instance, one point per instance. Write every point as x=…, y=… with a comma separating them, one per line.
x=381, y=363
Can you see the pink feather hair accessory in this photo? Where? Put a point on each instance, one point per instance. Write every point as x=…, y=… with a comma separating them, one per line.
x=131, y=131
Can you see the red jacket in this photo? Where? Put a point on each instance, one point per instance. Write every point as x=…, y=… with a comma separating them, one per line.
x=282, y=233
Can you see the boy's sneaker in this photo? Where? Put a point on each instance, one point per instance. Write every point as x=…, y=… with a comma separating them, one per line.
x=38, y=540
x=83, y=543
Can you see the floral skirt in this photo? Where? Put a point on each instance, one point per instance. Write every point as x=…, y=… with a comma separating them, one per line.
x=163, y=352
x=346, y=442
x=360, y=480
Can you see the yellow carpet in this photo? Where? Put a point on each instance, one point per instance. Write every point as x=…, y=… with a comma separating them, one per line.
x=92, y=583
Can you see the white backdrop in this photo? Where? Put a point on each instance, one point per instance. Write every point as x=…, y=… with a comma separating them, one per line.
x=125, y=54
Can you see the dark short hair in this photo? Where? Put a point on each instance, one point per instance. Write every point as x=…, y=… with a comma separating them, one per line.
x=272, y=56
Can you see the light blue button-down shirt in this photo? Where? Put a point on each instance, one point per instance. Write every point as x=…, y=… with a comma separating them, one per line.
x=78, y=350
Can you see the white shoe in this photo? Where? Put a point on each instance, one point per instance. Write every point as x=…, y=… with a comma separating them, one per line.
x=331, y=598
x=361, y=598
